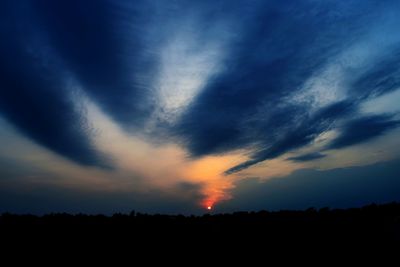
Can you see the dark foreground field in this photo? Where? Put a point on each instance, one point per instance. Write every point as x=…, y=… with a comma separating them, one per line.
x=373, y=224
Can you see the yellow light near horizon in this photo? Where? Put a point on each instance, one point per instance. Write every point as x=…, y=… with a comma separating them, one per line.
x=208, y=171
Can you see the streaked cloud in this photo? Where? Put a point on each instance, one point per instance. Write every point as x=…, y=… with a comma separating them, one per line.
x=363, y=129
x=307, y=157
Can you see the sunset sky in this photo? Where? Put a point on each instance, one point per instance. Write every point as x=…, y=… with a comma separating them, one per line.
x=176, y=106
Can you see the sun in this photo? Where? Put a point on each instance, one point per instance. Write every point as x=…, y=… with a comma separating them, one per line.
x=209, y=207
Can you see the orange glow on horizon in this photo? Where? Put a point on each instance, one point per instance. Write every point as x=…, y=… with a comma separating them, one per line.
x=169, y=164
x=209, y=172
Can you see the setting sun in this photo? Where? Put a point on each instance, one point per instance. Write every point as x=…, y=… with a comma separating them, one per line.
x=209, y=207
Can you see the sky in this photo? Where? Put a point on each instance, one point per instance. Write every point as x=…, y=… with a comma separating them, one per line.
x=176, y=106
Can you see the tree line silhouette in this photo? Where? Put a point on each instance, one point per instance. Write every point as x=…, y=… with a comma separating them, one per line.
x=372, y=223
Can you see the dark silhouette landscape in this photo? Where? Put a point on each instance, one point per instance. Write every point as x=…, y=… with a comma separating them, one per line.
x=372, y=224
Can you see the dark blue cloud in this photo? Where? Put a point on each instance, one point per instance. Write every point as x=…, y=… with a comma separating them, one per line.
x=99, y=42
x=307, y=157
x=273, y=57
x=247, y=106
x=363, y=129
x=305, y=132
x=31, y=91
x=336, y=188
